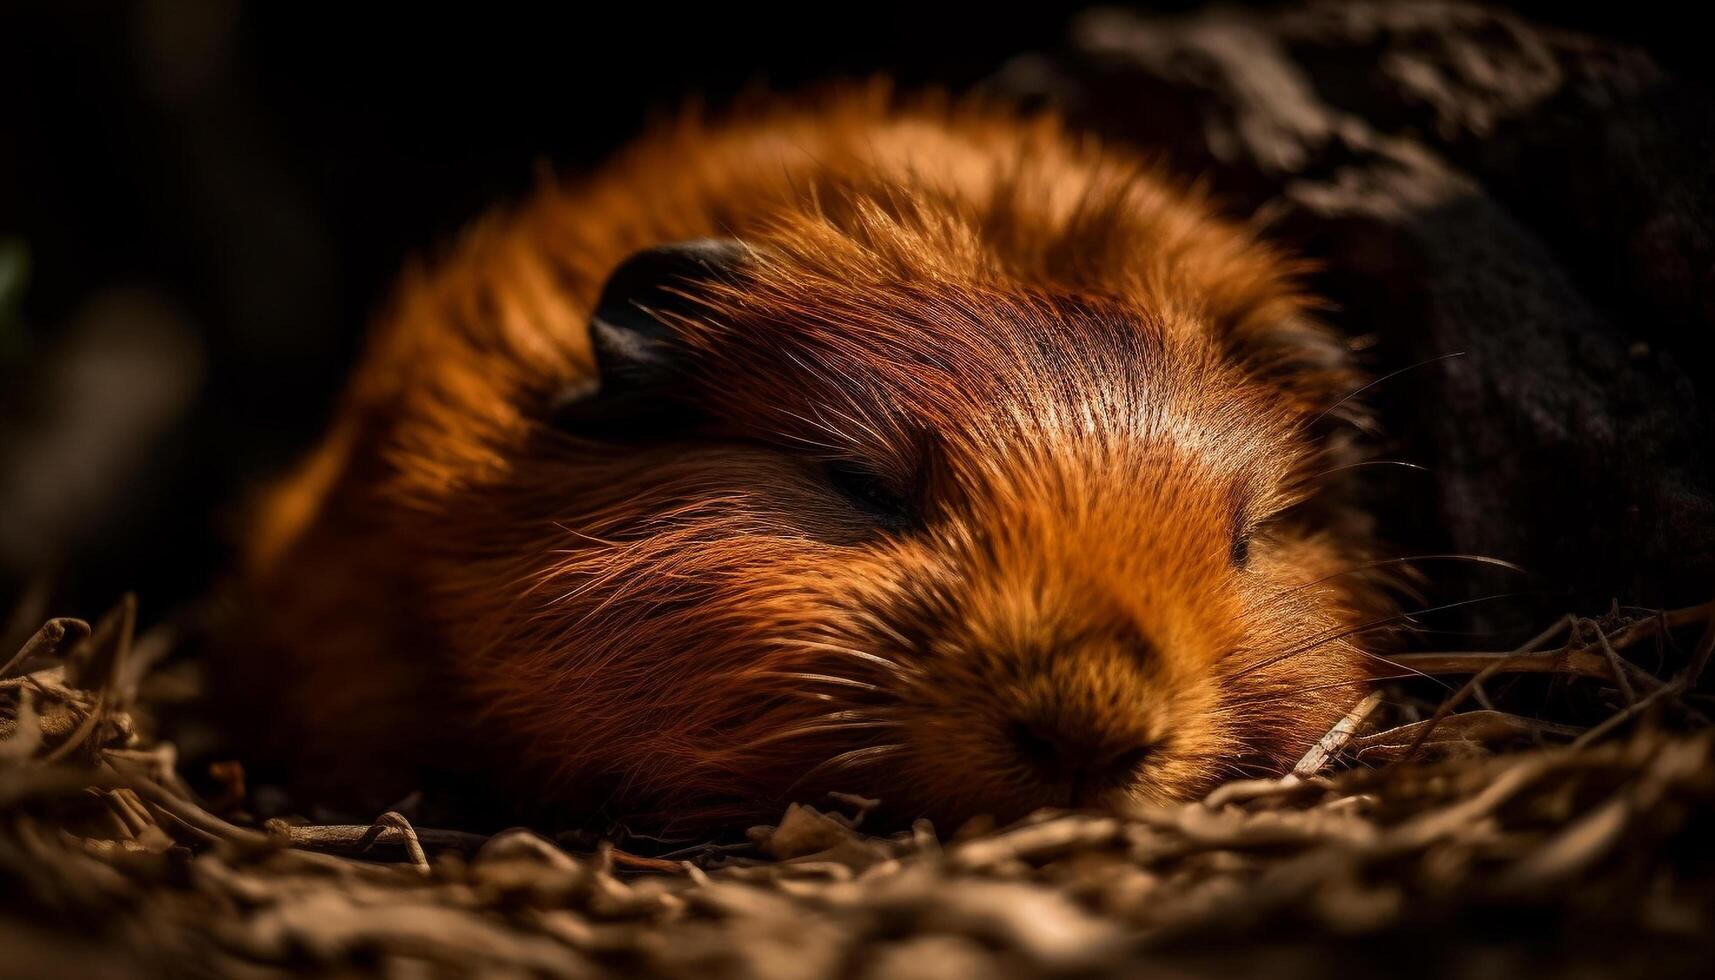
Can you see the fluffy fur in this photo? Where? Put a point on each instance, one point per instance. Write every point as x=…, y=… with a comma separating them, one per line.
x=1091, y=391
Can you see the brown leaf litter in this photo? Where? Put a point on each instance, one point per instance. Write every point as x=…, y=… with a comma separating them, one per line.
x=1435, y=844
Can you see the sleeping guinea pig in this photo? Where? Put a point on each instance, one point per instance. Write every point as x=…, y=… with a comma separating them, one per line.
x=916, y=451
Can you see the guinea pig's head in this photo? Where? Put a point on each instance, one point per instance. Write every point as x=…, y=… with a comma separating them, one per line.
x=828, y=523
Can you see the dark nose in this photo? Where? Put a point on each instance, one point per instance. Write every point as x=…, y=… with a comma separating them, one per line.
x=1076, y=753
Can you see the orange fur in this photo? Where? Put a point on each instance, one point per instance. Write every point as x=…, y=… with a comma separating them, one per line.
x=1082, y=376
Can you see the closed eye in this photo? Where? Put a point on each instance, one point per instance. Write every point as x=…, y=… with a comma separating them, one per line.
x=1239, y=545
x=1239, y=549
x=871, y=493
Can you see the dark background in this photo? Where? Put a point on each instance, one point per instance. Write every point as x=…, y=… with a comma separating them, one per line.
x=201, y=203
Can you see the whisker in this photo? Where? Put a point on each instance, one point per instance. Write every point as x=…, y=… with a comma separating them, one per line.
x=1475, y=559
x=1366, y=627
x=848, y=760
x=877, y=623
x=856, y=757
x=1410, y=671
x=1460, y=604
x=798, y=675
x=1369, y=462
x=803, y=730
x=821, y=696
x=1396, y=665
x=1384, y=378
x=892, y=665
x=1275, y=695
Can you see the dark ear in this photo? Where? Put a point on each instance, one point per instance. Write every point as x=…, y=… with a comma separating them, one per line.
x=634, y=336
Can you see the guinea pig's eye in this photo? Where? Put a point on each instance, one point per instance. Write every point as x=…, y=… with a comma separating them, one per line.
x=1239, y=549
x=870, y=493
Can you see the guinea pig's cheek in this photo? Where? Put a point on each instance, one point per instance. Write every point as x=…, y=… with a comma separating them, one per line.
x=887, y=588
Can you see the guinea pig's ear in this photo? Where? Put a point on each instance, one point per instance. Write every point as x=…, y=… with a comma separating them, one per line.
x=634, y=333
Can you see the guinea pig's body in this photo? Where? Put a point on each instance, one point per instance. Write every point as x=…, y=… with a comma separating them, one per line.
x=922, y=453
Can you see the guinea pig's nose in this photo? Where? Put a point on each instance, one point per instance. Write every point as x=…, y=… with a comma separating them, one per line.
x=1068, y=750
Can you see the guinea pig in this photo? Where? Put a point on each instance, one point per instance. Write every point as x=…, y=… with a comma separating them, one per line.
x=914, y=449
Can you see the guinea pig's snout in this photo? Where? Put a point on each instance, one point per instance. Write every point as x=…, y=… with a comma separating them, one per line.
x=1078, y=754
